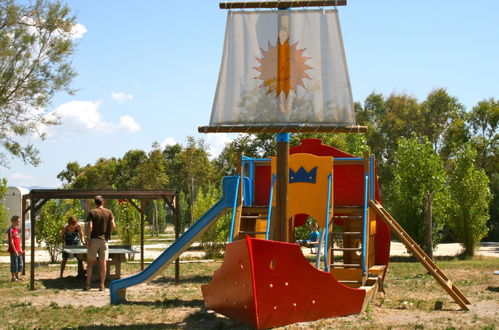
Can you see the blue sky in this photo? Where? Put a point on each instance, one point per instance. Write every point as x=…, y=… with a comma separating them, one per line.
x=147, y=70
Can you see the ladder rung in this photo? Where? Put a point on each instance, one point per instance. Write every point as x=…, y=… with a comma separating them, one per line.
x=340, y=233
x=252, y=232
x=249, y=216
x=350, y=282
x=348, y=217
x=347, y=249
x=345, y=265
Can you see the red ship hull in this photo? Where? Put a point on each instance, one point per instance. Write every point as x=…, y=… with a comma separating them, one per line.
x=267, y=284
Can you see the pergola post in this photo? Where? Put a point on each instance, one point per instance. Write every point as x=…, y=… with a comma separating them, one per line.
x=142, y=210
x=23, y=234
x=32, y=257
x=176, y=210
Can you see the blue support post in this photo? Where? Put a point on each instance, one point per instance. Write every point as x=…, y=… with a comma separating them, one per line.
x=328, y=208
x=366, y=223
x=234, y=211
x=269, y=212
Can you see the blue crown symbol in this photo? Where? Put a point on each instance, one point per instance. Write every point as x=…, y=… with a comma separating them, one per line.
x=302, y=176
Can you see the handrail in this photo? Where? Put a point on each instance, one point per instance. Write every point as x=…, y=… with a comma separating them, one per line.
x=319, y=248
x=269, y=212
x=364, y=234
x=234, y=210
x=371, y=176
x=328, y=208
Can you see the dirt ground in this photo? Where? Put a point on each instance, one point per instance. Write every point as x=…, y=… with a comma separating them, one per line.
x=412, y=299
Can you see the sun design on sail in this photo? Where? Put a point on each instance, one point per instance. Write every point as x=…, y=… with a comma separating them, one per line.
x=282, y=67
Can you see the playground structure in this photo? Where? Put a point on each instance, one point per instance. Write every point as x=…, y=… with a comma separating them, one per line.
x=265, y=281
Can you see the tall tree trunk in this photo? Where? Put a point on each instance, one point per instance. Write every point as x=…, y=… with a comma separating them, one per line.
x=428, y=244
x=155, y=219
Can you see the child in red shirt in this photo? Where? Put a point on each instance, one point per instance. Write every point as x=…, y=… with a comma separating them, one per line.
x=16, y=259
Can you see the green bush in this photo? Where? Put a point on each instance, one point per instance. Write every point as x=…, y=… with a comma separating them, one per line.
x=53, y=217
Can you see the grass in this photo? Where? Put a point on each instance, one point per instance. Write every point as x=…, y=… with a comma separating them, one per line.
x=409, y=302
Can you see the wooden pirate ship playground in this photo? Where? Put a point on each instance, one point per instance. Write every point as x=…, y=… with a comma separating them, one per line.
x=284, y=71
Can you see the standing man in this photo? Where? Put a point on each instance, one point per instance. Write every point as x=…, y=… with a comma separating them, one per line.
x=100, y=226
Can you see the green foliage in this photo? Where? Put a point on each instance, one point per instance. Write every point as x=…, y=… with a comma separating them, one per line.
x=418, y=171
x=127, y=219
x=35, y=49
x=470, y=198
x=189, y=170
x=4, y=215
x=213, y=240
x=303, y=232
x=53, y=217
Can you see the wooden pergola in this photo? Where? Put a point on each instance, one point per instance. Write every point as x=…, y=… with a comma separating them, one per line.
x=38, y=197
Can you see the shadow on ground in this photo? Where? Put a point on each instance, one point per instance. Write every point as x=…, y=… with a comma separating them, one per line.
x=199, y=279
x=493, y=288
x=68, y=283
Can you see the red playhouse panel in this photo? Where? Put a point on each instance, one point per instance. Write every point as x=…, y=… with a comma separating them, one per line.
x=287, y=289
x=347, y=180
x=263, y=179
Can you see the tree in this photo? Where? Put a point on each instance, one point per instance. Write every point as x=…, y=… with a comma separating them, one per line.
x=4, y=215
x=101, y=175
x=213, y=240
x=128, y=222
x=69, y=175
x=484, y=124
x=438, y=112
x=470, y=198
x=53, y=216
x=419, y=179
x=35, y=49
x=190, y=170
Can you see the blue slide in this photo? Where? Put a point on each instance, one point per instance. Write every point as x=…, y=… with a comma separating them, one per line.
x=117, y=288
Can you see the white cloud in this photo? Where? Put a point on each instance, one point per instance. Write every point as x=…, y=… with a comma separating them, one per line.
x=128, y=124
x=78, y=31
x=169, y=141
x=217, y=142
x=83, y=117
x=121, y=97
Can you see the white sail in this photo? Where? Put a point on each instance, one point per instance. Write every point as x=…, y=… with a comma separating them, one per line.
x=283, y=67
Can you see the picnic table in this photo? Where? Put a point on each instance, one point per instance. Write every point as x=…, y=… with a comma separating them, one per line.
x=117, y=254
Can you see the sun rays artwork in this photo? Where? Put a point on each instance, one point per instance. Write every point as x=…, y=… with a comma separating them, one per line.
x=275, y=67
x=283, y=67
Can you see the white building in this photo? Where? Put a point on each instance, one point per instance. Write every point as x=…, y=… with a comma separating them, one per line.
x=13, y=201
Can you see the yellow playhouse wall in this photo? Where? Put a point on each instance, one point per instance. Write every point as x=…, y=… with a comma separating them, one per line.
x=304, y=197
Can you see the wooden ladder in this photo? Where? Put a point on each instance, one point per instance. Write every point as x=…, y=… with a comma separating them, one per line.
x=248, y=222
x=423, y=258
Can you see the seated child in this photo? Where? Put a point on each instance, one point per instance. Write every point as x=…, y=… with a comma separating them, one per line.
x=313, y=238
x=71, y=234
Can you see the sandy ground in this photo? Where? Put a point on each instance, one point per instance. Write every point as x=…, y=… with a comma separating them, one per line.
x=489, y=249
